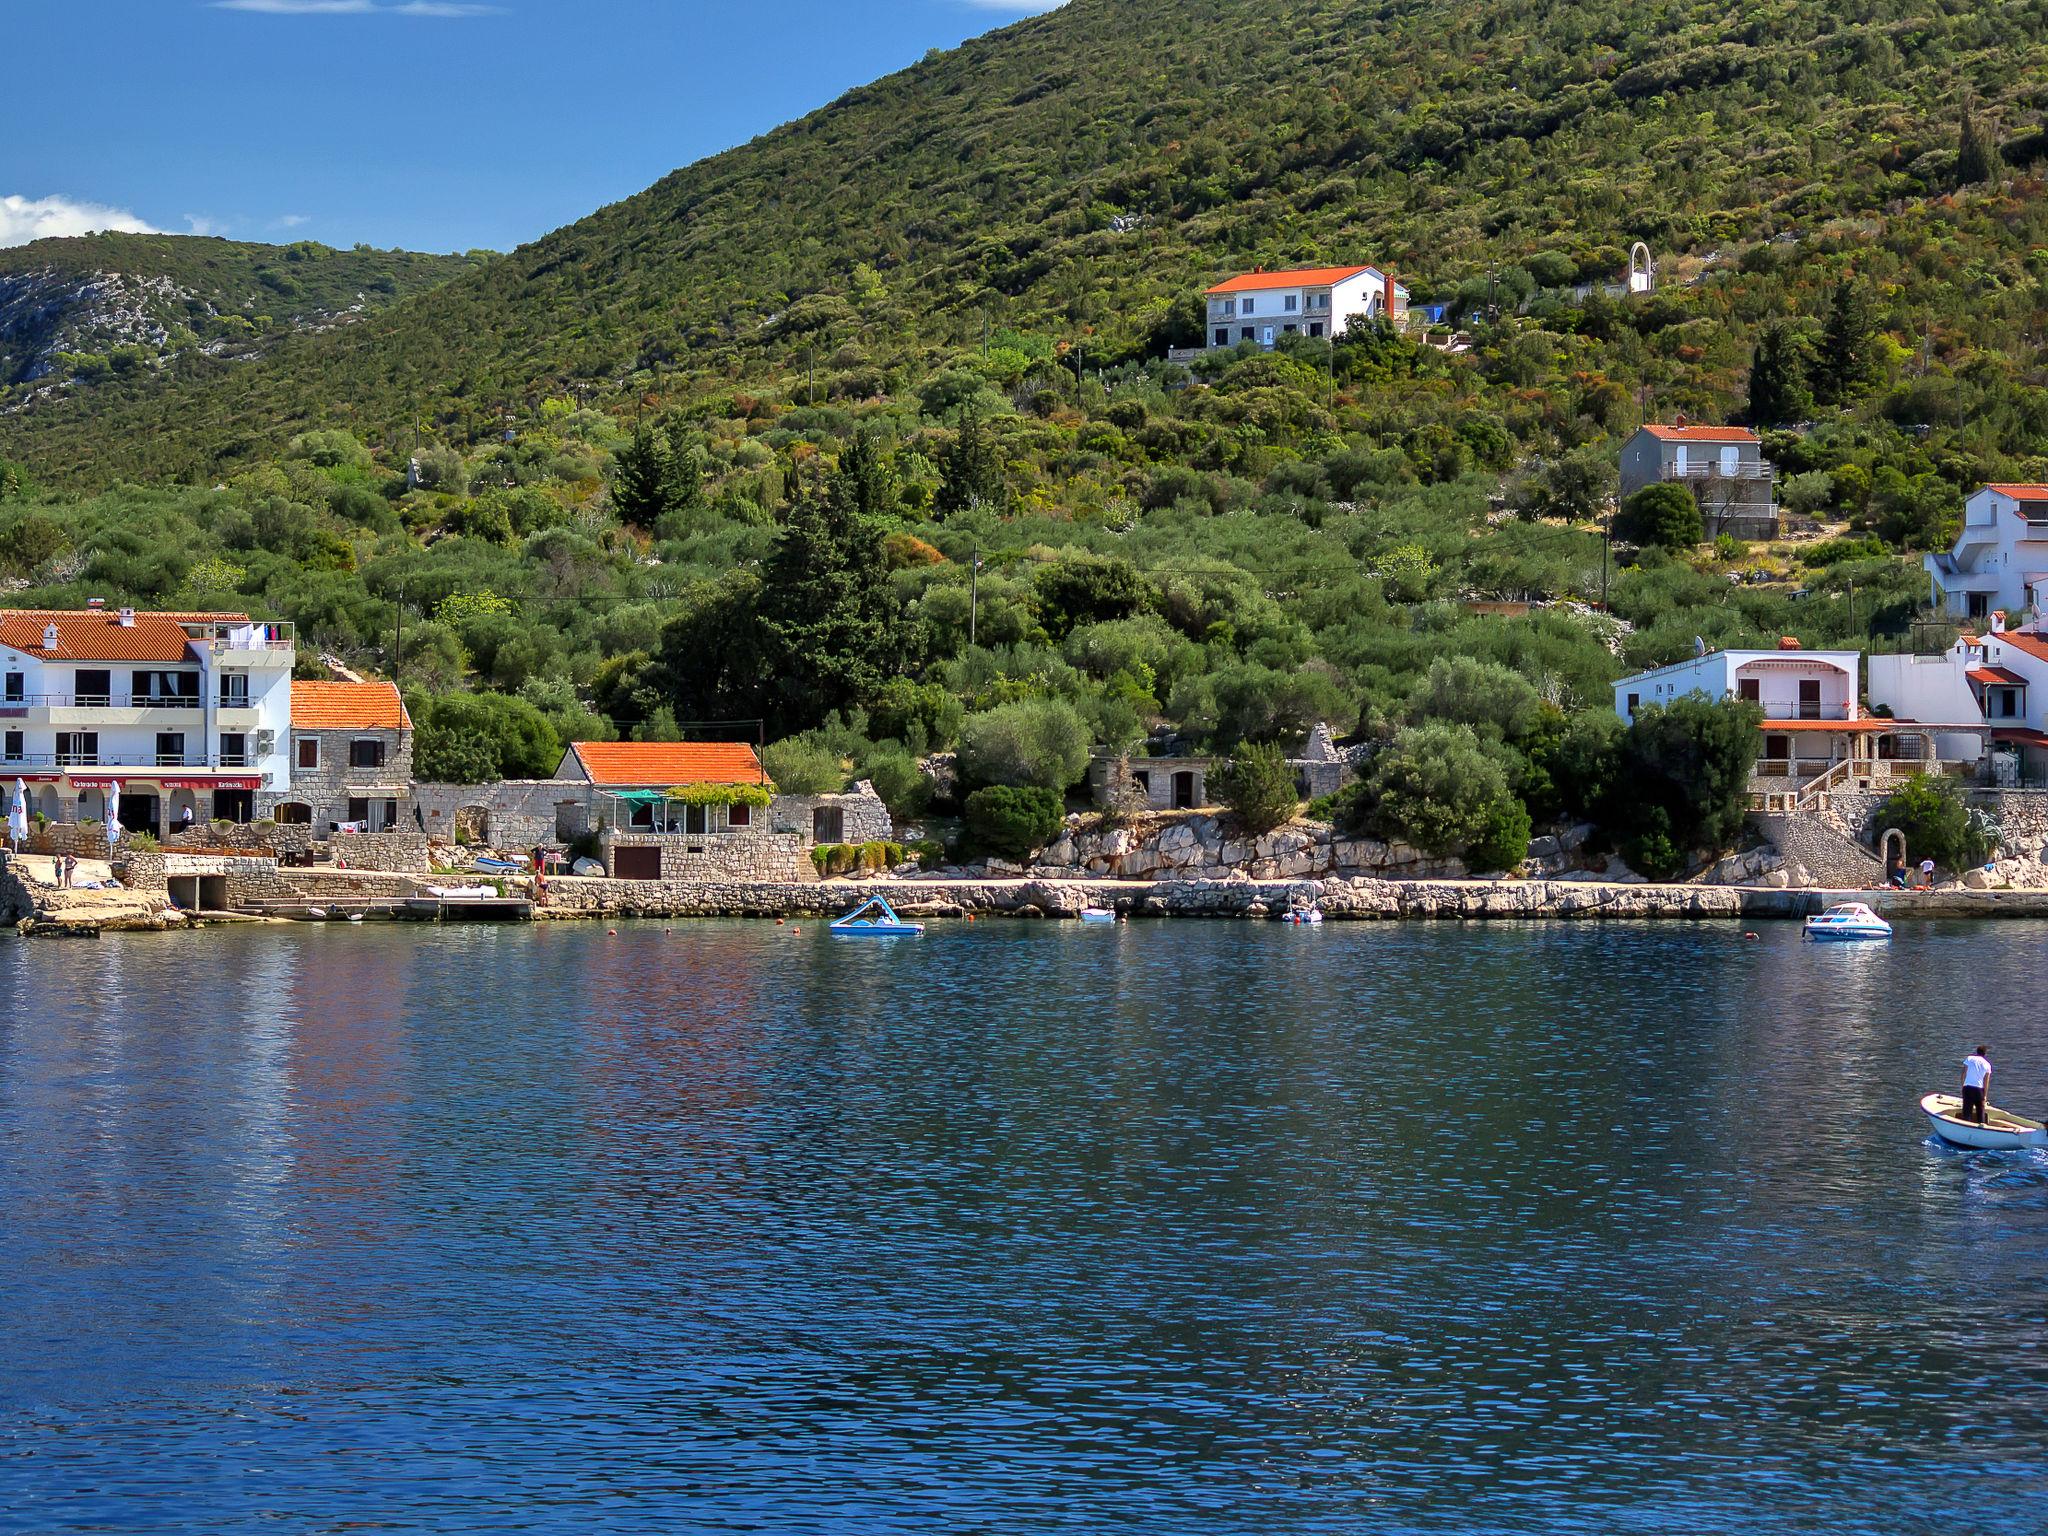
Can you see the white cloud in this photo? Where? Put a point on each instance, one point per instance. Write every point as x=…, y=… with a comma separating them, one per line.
x=23, y=219
x=200, y=224
x=293, y=220
x=356, y=7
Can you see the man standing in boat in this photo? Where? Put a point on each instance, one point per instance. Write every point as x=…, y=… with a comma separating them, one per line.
x=1976, y=1086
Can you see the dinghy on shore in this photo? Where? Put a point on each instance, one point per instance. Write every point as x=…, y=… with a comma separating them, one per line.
x=2001, y=1131
x=876, y=919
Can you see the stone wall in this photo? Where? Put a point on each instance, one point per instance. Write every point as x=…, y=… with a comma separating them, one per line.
x=1817, y=851
x=2022, y=818
x=260, y=837
x=80, y=839
x=140, y=870
x=395, y=852
x=515, y=814
x=865, y=819
x=727, y=856
x=1198, y=845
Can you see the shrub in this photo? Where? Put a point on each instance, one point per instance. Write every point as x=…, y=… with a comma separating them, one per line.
x=1037, y=742
x=1258, y=785
x=1663, y=515
x=1012, y=820
x=1680, y=781
x=1503, y=840
x=898, y=780
x=1463, y=690
x=1938, y=823
x=801, y=765
x=1437, y=788
x=929, y=852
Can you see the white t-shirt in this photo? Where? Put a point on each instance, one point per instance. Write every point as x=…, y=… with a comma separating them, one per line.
x=1976, y=1072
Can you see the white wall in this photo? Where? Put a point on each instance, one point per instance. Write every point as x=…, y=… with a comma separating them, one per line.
x=1933, y=690
x=1777, y=674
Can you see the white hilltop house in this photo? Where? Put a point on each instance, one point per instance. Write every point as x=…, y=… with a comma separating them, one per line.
x=1815, y=734
x=1261, y=307
x=146, y=714
x=2000, y=558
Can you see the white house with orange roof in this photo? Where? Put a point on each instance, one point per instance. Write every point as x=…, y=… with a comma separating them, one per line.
x=1261, y=307
x=2000, y=558
x=149, y=715
x=1995, y=683
x=1723, y=467
x=1815, y=733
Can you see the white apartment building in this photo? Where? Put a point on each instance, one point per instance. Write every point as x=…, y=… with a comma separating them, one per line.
x=145, y=714
x=1986, y=697
x=2000, y=558
x=1261, y=307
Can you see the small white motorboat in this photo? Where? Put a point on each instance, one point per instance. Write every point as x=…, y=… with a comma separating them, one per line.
x=1097, y=915
x=2000, y=1132
x=1847, y=921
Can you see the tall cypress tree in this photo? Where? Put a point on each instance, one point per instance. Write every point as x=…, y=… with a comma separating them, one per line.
x=1977, y=158
x=1778, y=391
x=970, y=470
x=1846, y=360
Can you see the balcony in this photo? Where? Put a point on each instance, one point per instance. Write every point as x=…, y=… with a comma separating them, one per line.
x=1715, y=470
x=134, y=762
x=182, y=703
x=257, y=639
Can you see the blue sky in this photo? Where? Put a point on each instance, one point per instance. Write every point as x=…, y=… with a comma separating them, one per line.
x=431, y=124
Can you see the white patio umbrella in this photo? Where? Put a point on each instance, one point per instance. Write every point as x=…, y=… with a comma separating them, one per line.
x=17, y=814
x=113, y=817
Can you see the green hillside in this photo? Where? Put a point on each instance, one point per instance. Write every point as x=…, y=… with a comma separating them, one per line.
x=639, y=472
x=102, y=308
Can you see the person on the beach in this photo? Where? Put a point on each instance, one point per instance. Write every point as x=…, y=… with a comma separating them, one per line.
x=1976, y=1086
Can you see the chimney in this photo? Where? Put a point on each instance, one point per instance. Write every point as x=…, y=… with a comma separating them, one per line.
x=127, y=619
x=1788, y=642
x=1998, y=621
x=49, y=637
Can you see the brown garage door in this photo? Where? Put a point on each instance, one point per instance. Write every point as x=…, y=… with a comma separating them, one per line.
x=636, y=863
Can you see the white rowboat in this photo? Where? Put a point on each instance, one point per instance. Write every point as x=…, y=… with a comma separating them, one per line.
x=2001, y=1132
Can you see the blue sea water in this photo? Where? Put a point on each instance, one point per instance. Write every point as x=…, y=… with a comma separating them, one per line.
x=1018, y=1228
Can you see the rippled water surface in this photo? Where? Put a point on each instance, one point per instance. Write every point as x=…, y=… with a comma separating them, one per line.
x=1168, y=1228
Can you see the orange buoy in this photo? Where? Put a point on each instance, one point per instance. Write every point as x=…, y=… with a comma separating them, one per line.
x=611, y=933
x=778, y=922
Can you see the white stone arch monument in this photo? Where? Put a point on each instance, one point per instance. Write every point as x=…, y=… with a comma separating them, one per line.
x=1642, y=271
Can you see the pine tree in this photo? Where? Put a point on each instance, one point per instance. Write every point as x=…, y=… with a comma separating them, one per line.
x=866, y=478
x=1778, y=390
x=641, y=477
x=970, y=470
x=1845, y=363
x=1977, y=158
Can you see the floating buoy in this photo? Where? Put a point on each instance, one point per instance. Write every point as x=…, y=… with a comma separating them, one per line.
x=796, y=930
x=611, y=933
x=778, y=922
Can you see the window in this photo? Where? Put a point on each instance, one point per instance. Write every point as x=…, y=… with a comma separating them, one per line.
x=165, y=688
x=234, y=690
x=366, y=754
x=307, y=759
x=1778, y=748
x=1749, y=688
x=1289, y=329
x=1809, y=698
x=739, y=816
x=1315, y=327
x=78, y=749
x=1222, y=340
x=1247, y=309
x=1244, y=333
x=95, y=689
x=1635, y=701
x=358, y=811
x=2003, y=703
x=170, y=749
x=234, y=749
x=390, y=815
x=14, y=748
x=1980, y=605
x=14, y=686
x=1291, y=303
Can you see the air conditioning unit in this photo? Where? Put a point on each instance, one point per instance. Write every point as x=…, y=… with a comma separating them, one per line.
x=266, y=743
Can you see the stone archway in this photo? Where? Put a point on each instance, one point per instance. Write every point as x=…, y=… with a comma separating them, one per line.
x=1884, y=849
x=1642, y=271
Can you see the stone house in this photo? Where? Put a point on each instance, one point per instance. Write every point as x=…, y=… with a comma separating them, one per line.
x=351, y=756
x=1724, y=468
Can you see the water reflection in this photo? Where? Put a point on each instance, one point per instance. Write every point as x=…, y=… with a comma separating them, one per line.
x=1224, y=1228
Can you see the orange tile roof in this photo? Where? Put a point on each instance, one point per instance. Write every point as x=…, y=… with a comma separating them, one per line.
x=320, y=706
x=2002, y=676
x=2032, y=641
x=2021, y=492
x=99, y=635
x=660, y=764
x=1298, y=277
x=1702, y=434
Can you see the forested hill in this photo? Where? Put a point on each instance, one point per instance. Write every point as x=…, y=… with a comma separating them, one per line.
x=1084, y=173
x=75, y=312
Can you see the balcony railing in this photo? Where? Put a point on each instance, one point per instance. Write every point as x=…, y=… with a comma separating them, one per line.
x=245, y=637
x=182, y=701
x=1714, y=470
x=138, y=761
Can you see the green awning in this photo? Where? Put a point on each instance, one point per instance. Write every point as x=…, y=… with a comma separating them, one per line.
x=639, y=796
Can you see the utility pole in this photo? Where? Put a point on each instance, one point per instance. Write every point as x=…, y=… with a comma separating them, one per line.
x=398, y=638
x=974, y=595
x=1606, y=555
x=811, y=374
